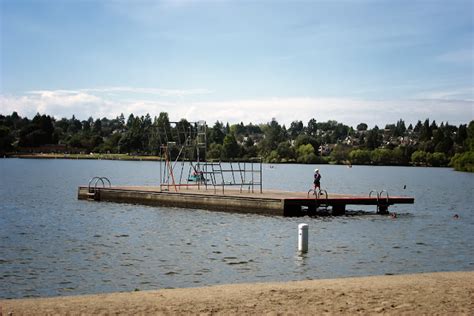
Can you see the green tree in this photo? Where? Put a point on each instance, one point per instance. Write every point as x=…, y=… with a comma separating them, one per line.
x=273, y=136
x=340, y=153
x=312, y=128
x=214, y=152
x=400, y=128
x=426, y=132
x=296, y=128
x=75, y=141
x=6, y=140
x=155, y=138
x=470, y=136
x=216, y=133
x=360, y=157
x=249, y=150
x=121, y=120
x=183, y=131
x=62, y=124
x=238, y=129
x=111, y=145
x=86, y=125
x=273, y=157
x=230, y=148
x=305, y=154
x=285, y=152
x=74, y=126
x=436, y=159
x=373, y=139
x=304, y=139
x=418, y=127
x=162, y=128
x=39, y=132
x=401, y=156
x=339, y=133
x=130, y=120
x=461, y=135
x=97, y=127
x=362, y=127
x=463, y=161
x=419, y=157
x=445, y=142
x=381, y=156
x=131, y=140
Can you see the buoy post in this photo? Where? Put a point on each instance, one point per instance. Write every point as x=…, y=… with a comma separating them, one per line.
x=303, y=237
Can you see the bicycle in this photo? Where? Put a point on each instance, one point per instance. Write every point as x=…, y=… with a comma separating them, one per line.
x=317, y=192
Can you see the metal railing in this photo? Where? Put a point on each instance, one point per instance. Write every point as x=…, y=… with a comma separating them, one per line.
x=96, y=180
x=380, y=202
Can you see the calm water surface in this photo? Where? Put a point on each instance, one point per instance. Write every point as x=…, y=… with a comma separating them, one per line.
x=52, y=244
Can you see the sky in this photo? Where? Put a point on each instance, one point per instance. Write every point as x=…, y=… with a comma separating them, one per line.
x=352, y=61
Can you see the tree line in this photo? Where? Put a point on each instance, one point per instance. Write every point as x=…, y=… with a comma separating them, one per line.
x=426, y=143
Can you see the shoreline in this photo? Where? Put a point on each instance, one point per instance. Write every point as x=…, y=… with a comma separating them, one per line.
x=422, y=293
x=122, y=157
x=126, y=157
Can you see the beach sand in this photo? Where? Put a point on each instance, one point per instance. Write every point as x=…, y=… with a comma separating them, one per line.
x=443, y=293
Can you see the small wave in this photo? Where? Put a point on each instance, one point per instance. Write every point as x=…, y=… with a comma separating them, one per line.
x=171, y=273
x=237, y=262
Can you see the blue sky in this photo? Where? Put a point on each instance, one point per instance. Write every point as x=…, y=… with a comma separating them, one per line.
x=350, y=61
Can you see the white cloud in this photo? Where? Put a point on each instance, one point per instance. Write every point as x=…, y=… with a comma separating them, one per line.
x=466, y=93
x=83, y=103
x=155, y=91
x=345, y=110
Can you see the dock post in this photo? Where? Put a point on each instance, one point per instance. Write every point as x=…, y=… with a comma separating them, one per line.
x=339, y=209
x=382, y=209
x=303, y=237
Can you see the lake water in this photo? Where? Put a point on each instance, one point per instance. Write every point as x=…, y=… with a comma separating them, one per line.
x=52, y=244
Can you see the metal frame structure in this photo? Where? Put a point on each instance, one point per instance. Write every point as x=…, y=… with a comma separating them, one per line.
x=244, y=174
x=183, y=162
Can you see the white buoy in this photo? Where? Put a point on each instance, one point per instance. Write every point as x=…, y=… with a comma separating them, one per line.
x=303, y=237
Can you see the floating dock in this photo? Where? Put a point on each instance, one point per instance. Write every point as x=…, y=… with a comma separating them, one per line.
x=267, y=202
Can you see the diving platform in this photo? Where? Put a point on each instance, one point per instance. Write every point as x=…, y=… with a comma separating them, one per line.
x=265, y=202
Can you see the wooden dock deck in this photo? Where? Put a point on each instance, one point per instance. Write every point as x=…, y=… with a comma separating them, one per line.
x=272, y=202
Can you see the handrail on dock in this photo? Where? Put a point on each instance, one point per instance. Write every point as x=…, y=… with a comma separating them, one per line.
x=97, y=179
x=372, y=191
x=386, y=192
x=382, y=205
x=327, y=197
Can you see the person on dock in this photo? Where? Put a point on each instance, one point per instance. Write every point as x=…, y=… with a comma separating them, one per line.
x=317, y=179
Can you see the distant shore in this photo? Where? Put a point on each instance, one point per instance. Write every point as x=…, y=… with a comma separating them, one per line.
x=127, y=157
x=442, y=293
x=93, y=156
x=98, y=156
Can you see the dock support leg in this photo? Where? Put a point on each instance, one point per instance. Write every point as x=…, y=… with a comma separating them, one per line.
x=312, y=210
x=382, y=209
x=339, y=209
x=292, y=210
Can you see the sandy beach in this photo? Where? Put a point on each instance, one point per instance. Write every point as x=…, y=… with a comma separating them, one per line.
x=442, y=293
